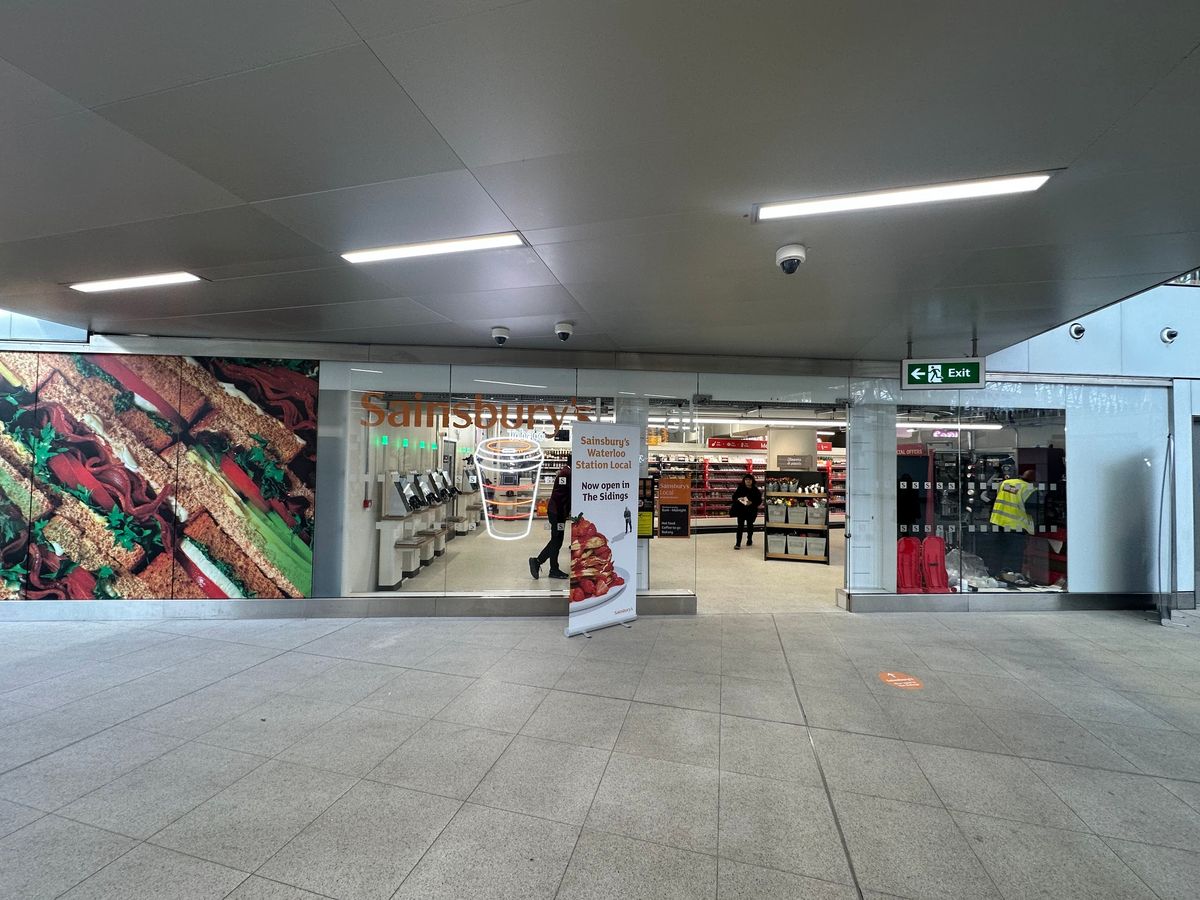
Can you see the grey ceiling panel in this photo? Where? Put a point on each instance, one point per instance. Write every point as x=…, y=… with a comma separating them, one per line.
x=425, y=208
x=375, y=18
x=223, y=237
x=445, y=335
x=462, y=272
x=627, y=140
x=568, y=76
x=546, y=300
x=24, y=99
x=315, y=320
x=98, y=51
x=327, y=121
x=268, y=292
x=79, y=171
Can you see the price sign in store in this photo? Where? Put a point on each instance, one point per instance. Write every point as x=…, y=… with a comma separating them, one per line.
x=944, y=374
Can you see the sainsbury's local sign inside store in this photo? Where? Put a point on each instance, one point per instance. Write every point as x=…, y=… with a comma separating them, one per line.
x=417, y=411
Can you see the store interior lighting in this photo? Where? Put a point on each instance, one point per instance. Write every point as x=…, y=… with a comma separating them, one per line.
x=509, y=383
x=435, y=248
x=948, y=426
x=682, y=421
x=138, y=281
x=933, y=193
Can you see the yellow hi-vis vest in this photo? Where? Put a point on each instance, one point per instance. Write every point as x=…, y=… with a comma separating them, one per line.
x=1009, y=509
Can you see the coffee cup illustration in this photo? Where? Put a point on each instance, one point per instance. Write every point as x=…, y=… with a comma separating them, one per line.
x=509, y=472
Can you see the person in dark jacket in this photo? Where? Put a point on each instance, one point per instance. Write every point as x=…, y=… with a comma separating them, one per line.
x=747, y=498
x=558, y=510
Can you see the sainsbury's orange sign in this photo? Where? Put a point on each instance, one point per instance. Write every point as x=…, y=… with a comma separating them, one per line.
x=463, y=414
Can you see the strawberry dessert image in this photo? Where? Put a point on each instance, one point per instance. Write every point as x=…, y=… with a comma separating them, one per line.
x=592, y=573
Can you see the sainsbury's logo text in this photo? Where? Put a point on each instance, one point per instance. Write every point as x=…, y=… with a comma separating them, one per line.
x=460, y=414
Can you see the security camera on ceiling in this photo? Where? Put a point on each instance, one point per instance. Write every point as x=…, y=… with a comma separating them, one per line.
x=500, y=335
x=564, y=330
x=789, y=258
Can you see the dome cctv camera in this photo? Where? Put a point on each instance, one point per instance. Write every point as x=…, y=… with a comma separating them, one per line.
x=564, y=330
x=500, y=335
x=790, y=257
x=1168, y=335
x=1076, y=330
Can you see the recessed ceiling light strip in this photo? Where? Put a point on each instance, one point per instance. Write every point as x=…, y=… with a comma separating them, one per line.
x=933, y=193
x=435, y=248
x=139, y=281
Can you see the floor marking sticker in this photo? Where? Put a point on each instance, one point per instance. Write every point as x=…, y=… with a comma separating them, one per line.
x=901, y=680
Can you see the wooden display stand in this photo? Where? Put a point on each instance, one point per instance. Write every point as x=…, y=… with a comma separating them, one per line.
x=797, y=530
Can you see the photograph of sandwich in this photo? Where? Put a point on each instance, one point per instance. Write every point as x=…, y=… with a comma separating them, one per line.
x=132, y=477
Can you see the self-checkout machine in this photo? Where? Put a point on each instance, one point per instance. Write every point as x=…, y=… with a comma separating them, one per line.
x=471, y=505
x=404, y=515
x=457, y=522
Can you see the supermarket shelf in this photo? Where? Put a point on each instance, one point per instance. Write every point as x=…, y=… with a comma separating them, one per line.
x=788, y=525
x=786, y=494
x=792, y=556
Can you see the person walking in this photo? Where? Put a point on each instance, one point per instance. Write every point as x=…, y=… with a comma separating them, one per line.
x=558, y=510
x=747, y=498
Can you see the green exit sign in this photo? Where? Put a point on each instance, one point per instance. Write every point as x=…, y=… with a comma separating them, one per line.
x=932, y=374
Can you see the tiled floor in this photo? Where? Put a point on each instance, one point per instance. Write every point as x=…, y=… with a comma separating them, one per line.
x=727, y=756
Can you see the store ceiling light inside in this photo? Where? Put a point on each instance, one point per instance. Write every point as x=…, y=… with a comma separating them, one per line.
x=949, y=426
x=137, y=281
x=931, y=193
x=436, y=248
x=746, y=423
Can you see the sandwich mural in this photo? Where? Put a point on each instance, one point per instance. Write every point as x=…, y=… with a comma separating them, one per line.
x=138, y=477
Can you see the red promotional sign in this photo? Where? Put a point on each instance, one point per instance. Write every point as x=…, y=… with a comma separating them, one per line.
x=824, y=446
x=737, y=443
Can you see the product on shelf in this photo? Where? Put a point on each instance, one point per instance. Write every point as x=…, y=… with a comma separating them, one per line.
x=797, y=516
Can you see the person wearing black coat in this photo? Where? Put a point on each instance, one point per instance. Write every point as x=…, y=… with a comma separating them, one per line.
x=747, y=498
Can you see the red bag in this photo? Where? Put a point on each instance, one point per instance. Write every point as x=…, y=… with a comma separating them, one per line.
x=908, y=566
x=933, y=566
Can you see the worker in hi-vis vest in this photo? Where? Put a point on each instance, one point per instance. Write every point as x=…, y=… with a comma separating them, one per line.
x=1009, y=509
x=1009, y=513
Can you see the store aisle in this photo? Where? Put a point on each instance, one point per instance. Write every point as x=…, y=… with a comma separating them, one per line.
x=723, y=756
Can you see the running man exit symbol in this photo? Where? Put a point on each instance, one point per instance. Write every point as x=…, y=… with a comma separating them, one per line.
x=943, y=373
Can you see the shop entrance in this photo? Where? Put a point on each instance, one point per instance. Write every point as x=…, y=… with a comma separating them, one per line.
x=788, y=551
x=457, y=486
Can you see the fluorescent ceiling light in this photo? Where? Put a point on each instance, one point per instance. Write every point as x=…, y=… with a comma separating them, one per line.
x=946, y=426
x=435, y=248
x=934, y=193
x=509, y=383
x=369, y=371
x=627, y=393
x=139, y=281
x=826, y=433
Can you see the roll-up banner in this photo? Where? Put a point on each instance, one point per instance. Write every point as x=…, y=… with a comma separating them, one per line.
x=604, y=498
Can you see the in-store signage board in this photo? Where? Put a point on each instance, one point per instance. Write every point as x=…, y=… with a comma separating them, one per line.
x=674, y=507
x=717, y=443
x=801, y=462
x=944, y=374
